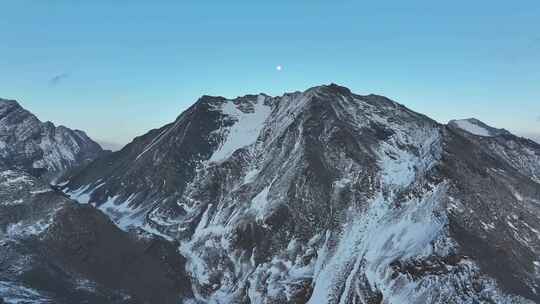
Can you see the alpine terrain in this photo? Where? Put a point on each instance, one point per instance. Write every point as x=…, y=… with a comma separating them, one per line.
x=39, y=147
x=321, y=196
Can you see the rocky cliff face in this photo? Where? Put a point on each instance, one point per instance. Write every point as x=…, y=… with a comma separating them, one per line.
x=42, y=149
x=325, y=196
x=54, y=250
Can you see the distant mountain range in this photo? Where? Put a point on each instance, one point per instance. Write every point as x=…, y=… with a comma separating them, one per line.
x=41, y=148
x=320, y=196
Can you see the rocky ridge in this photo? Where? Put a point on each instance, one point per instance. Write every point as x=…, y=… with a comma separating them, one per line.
x=326, y=196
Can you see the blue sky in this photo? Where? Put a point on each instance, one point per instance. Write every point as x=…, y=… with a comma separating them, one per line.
x=119, y=68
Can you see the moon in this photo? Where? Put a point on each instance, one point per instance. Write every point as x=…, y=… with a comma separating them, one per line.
x=279, y=68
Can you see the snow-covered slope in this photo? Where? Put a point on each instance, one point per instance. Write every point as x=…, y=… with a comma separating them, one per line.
x=476, y=127
x=155, y=168
x=249, y=121
x=40, y=148
x=54, y=250
x=325, y=196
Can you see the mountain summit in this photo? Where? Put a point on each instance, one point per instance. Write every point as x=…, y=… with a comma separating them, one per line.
x=326, y=196
x=322, y=196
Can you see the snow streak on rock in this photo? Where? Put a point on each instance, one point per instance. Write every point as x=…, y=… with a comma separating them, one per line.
x=325, y=196
x=472, y=128
x=246, y=128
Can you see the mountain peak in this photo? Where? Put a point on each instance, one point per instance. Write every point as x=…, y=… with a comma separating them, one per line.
x=331, y=88
x=263, y=183
x=5, y=102
x=41, y=148
x=477, y=127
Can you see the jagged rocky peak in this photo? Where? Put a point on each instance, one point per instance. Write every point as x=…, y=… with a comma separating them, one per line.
x=326, y=196
x=477, y=127
x=41, y=148
x=210, y=131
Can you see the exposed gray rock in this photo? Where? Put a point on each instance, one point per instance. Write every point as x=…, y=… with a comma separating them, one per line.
x=54, y=250
x=325, y=196
x=41, y=148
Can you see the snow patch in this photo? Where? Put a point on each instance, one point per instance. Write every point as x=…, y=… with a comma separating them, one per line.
x=472, y=128
x=251, y=175
x=41, y=191
x=260, y=203
x=13, y=293
x=245, y=130
x=81, y=195
x=401, y=166
x=377, y=238
x=12, y=177
x=22, y=229
x=122, y=214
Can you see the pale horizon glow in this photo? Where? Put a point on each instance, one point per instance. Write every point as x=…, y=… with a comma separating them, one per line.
x=116, y=70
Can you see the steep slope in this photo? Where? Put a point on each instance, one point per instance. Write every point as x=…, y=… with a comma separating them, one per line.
x=53, y=250
x=325, y=196
x=520, y=153
x=156, y=167
x=42, y=149
x=494, y=212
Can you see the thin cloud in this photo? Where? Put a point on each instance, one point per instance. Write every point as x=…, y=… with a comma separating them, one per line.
x=57, y=79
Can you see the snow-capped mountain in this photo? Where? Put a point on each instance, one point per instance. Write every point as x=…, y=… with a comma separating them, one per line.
x=55, y=250
x=326, y=196
x=38, y=147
